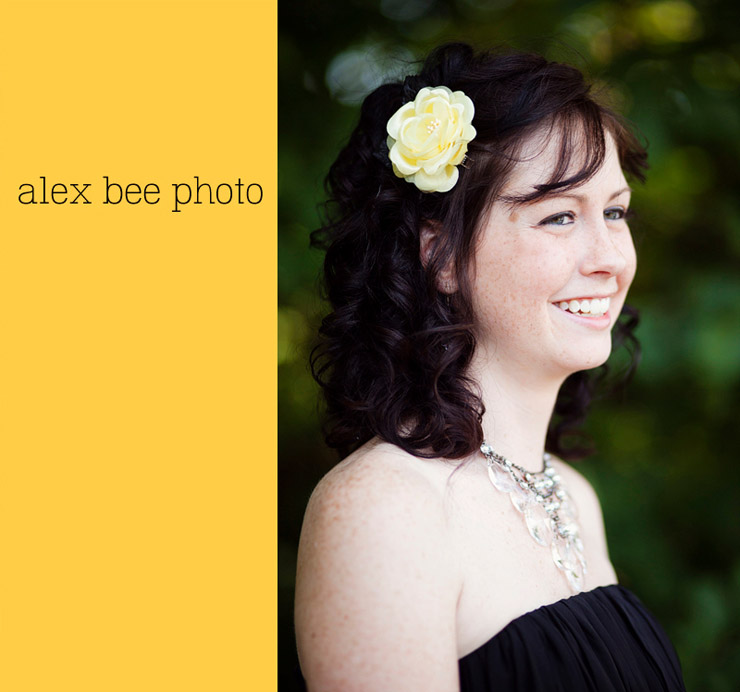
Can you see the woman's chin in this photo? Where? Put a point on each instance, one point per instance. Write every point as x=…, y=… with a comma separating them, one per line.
x=588, y=359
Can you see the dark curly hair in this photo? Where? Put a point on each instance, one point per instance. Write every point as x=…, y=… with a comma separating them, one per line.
x=394, y=350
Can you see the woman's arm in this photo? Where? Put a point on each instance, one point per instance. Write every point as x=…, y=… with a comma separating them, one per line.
x=377, y=587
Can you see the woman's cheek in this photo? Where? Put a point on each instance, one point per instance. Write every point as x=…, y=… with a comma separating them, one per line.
x=630, y=269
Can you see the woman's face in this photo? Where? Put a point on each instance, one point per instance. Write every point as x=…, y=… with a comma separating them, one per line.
x=551, y=276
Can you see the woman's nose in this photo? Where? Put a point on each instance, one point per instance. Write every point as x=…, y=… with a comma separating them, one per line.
x=604, y=250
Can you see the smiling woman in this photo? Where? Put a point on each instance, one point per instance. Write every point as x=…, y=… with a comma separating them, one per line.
x=477, y=261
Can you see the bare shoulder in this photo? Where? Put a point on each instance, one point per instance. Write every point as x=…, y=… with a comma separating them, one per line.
x=377, y=480
x=376, y=588
x=591, y=522
x=376, y=497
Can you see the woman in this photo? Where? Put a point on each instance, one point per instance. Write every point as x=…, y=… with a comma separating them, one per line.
x=477, y=258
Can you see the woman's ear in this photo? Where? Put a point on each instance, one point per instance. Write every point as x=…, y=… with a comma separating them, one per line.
x=429, y=239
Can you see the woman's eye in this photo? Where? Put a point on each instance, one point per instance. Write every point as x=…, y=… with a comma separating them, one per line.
x=564, y=219
x=615, y=213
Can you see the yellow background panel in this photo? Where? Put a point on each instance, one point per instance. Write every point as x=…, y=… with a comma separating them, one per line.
x=137, y=398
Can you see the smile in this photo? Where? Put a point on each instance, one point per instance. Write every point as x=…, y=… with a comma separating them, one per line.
x=585, y=306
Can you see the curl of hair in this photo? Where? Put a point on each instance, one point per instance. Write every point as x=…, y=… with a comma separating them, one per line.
x=394, y=350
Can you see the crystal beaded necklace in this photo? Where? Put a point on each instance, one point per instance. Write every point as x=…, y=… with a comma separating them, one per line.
x=548, y=510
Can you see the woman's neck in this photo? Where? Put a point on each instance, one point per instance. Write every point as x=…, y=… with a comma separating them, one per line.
x=519, y=406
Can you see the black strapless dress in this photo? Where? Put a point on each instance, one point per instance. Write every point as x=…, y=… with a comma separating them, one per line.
x=603, y=640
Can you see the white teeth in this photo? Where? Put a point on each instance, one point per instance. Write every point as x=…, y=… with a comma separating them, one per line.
x=586, y=306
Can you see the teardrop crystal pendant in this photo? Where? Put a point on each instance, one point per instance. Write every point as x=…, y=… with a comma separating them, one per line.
x=501, y=480
x=549, y=511
x=538, y=523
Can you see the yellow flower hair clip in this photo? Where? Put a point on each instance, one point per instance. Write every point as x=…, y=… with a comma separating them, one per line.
x=428, y=138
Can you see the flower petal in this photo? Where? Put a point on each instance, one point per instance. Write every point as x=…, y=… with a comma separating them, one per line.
x=405, y=166
x=443, y=181
x=397, y=118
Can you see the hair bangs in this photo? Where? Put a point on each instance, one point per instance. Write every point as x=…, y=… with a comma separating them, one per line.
x=581, y=152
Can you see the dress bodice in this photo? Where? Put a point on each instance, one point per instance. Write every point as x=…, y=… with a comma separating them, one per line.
x=603, y=640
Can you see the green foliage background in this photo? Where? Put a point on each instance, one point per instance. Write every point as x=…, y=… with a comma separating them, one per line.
x=668, y=465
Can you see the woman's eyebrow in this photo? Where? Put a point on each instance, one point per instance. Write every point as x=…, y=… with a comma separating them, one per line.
x=514, y=205
x=581, y=198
